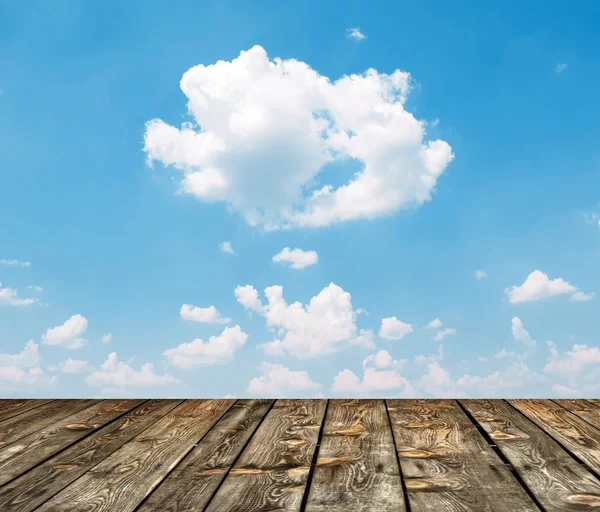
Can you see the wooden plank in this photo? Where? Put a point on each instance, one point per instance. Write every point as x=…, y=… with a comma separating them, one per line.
x=35, y=487
x=272, y=472
x=357, y=468
x=24, y=424
x=557, y=481
x=446, y=462
x=18, y=457
x=585, y=409
x=573, y=433
x=192, y=483
x=12, y=407
x=130, y=474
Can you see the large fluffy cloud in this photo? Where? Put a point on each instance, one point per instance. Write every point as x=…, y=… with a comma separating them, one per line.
x=265, y=129
x=539, y=286
x=218, y=349
x=325, y=324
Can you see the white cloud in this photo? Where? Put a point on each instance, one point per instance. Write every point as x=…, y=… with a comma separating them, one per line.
x=16, y=263
x=434, y=324
x=73, y=366
x=583, y=297
x=22, y=370
x=209, y=315
x=265, y=130
x=107, y=338
x=504, y=353
x=355, y=33
x=380, y=373
x=539, y=286
x=226, y=247
x=280, y=381
x=118, y=375
x=394, y=329
x=440, y=335
x=35, y=288
x=325, y=325
x=68, y=334
x=218, y=349
x=480, y=274
x=8, y=297
x=563, y=390
x=297, y=258
x=560, y=67
x=520, y=334
x=573, y=362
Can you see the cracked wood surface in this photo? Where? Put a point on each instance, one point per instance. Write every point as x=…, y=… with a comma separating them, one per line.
x=299, y=455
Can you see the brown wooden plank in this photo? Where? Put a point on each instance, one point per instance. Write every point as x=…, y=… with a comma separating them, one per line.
x=272, y=472
x=585, y=409
x=446, y=462
x=24, y=424
x=357, y=468
x=193, y=482
x=127, y=476
x=572, y=432
x=557, y=481
x=12, y=407
x=18, y=457
x=33, y=488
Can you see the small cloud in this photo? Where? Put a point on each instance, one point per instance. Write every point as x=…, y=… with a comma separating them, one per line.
x=394, y=329
x=226, y=247
x=560, y=67
x=68, y=334
x=107, y=338
x=297, y=258
x=361, y=311
x=539, y=286
x=8, y=296
x=482, y=359
x=209, y=315
x=520, y=334
x=355, y=33
x=72, y=366
x=434, y=123
x=583, y=297
x=35, y=288
x=562, y=390
x=504, y=353
x=434, y=324
x=15, y=263
x=480, y=274
x=440, y=335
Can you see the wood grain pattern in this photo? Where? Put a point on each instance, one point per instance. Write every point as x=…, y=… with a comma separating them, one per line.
x=573, y=433
x=126, y=477
x=357, y=467
x=272, y=472
x=12, y=407
x=191, y=485
x=18, y=457
x=35, y=487
x=447, y=464
x=29, y=421
x=585, y=409
x=558, y=482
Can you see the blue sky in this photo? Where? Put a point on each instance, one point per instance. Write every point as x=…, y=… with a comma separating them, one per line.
x=471, y=146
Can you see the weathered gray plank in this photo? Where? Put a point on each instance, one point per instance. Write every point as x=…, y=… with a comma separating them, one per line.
x=12, y=407
x=357, y=468
x=447, y=464
x=130, y=474
x=193, y=482
x=18, y=457
x=575, y=434
x=35, y=419
x=272, y=472
x=36, y=486
x=557, y=481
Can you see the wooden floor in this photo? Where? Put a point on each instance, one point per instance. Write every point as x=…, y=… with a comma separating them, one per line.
x=294, y=455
